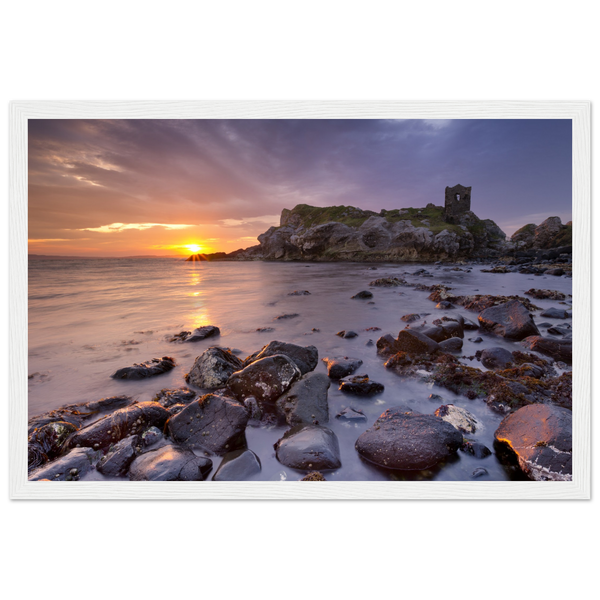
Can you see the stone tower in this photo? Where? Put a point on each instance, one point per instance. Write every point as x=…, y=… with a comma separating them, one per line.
x=458, y=202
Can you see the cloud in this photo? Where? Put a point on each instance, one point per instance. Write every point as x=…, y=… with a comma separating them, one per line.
x=117, y=227
x=268, y=220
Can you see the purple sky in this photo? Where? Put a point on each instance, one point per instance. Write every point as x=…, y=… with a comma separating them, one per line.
x=100, y=187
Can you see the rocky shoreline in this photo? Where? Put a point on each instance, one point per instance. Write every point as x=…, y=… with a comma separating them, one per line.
x=174, y=436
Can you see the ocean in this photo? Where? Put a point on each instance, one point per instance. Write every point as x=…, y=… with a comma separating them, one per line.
x=90, y=317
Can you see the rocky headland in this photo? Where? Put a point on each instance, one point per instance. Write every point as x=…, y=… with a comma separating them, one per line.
x=346, y=233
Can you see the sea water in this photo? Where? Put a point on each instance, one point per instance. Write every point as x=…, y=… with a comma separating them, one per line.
x=90, y=317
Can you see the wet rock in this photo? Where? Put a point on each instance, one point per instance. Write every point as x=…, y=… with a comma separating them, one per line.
x=168, y=397
x=305, y=358
x=120, y=424
x=299, y=293
x=496, y=358
x=152, y=435
x=238, y=465
x=435, y=332
x=306, y=401
x=79, y=460
x=413, y=342
x=286, y=316
x=479, y=472
x=510, y=320
x=352, y=415
x=347, y=334
x=557, y=272
x=444, y=305
x=554, y=313
x=545, y=325
x=308, y=447
x=170, y=463
x=362, y=295
x=545, y=294
x=360, y=385
x=476, y=340
x=214, y=422
x=369, y=343
x=265, y=329
x=266, y=379
x=458, y=417
x=468, y=324
x=410, y=318
x=530, y=370
x=398, y=440
x=387, y=282
x=118, y=458
x=451, y=345
x=341, y=366
x=212, y=369
x=46, y=442
x=541, y=437
x=387, y=344
x=202, y=333
x=150, y=368
x=253, y=408
x=453, y=329
x=562, y=331
x=558, y=349
x=476, y=449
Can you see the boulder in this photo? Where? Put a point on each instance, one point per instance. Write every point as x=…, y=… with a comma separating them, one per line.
x=238, y=465
x=266, y=379
x=477, y=449
x=341, y=366
x=214, y=422
x=306, y=400
x=541, y=437
x=387, y=344
x=152, y=435
x=414, y=342
x=212, y=369
x=118, y=458
x=558, y=349
x=305, y=358
x=554, y=313
x=46, y=442
x=496, y=358
x=309, y=447
x=347, y=334
x=408, y=441
x=69, y=467
x=150, y=368
x=360, y=385
x=557, y=272
x=120, y=424
x=168, y=398
x=362, y=295
x=451, y=345
x=351, y=414
x=510, y=320
x=202, y=333
x=410, y=318
x=458, y=417
x=170, y=463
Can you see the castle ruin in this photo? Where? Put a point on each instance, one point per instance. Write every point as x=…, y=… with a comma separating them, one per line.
x=458, y=202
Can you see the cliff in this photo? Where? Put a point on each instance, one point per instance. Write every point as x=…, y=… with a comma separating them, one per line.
x=550, y=234
x=345, y=233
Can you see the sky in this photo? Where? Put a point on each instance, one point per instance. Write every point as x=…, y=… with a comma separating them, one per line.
x=173, y=187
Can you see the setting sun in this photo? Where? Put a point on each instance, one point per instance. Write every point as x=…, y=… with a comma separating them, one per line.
x=193, y=248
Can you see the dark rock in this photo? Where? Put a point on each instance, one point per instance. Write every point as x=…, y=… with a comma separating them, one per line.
x=369, y=343
x=79, y=460
x=510, y=320
x=476, y=340
x=266, y=379
x=120, y=424
x=444, y=305
x=387, y=344
x=479, y=472
x=341, y=366
x=116, y=462
x=168, y=398
x=305, y=358
x=347, y=334
x=554, y=313
x=202, y=333
x=468, y=324
x=253, y=408
x=287, y=316
x=410, y=318
x=561, y=349
x=306, y=401
x=299, y=293
x=453, y=330
x=351, y=414
x=362, y=295
x=476, y=449
x=212, y=369
x=265, y=329
x=545, y=294
x=410, y=441
x=360, y=385
x=496, y=358
x=170, y=463
x=558, y=331
x=557, y=272
x=309, y=447
x=150, y=368
x=451, y=345
x=541, y=437
x=238, y=465
x=314, y=475
x=214, y=422
x=152, y=435
x=387, y=282
x=46, y=443
x=413, y=342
